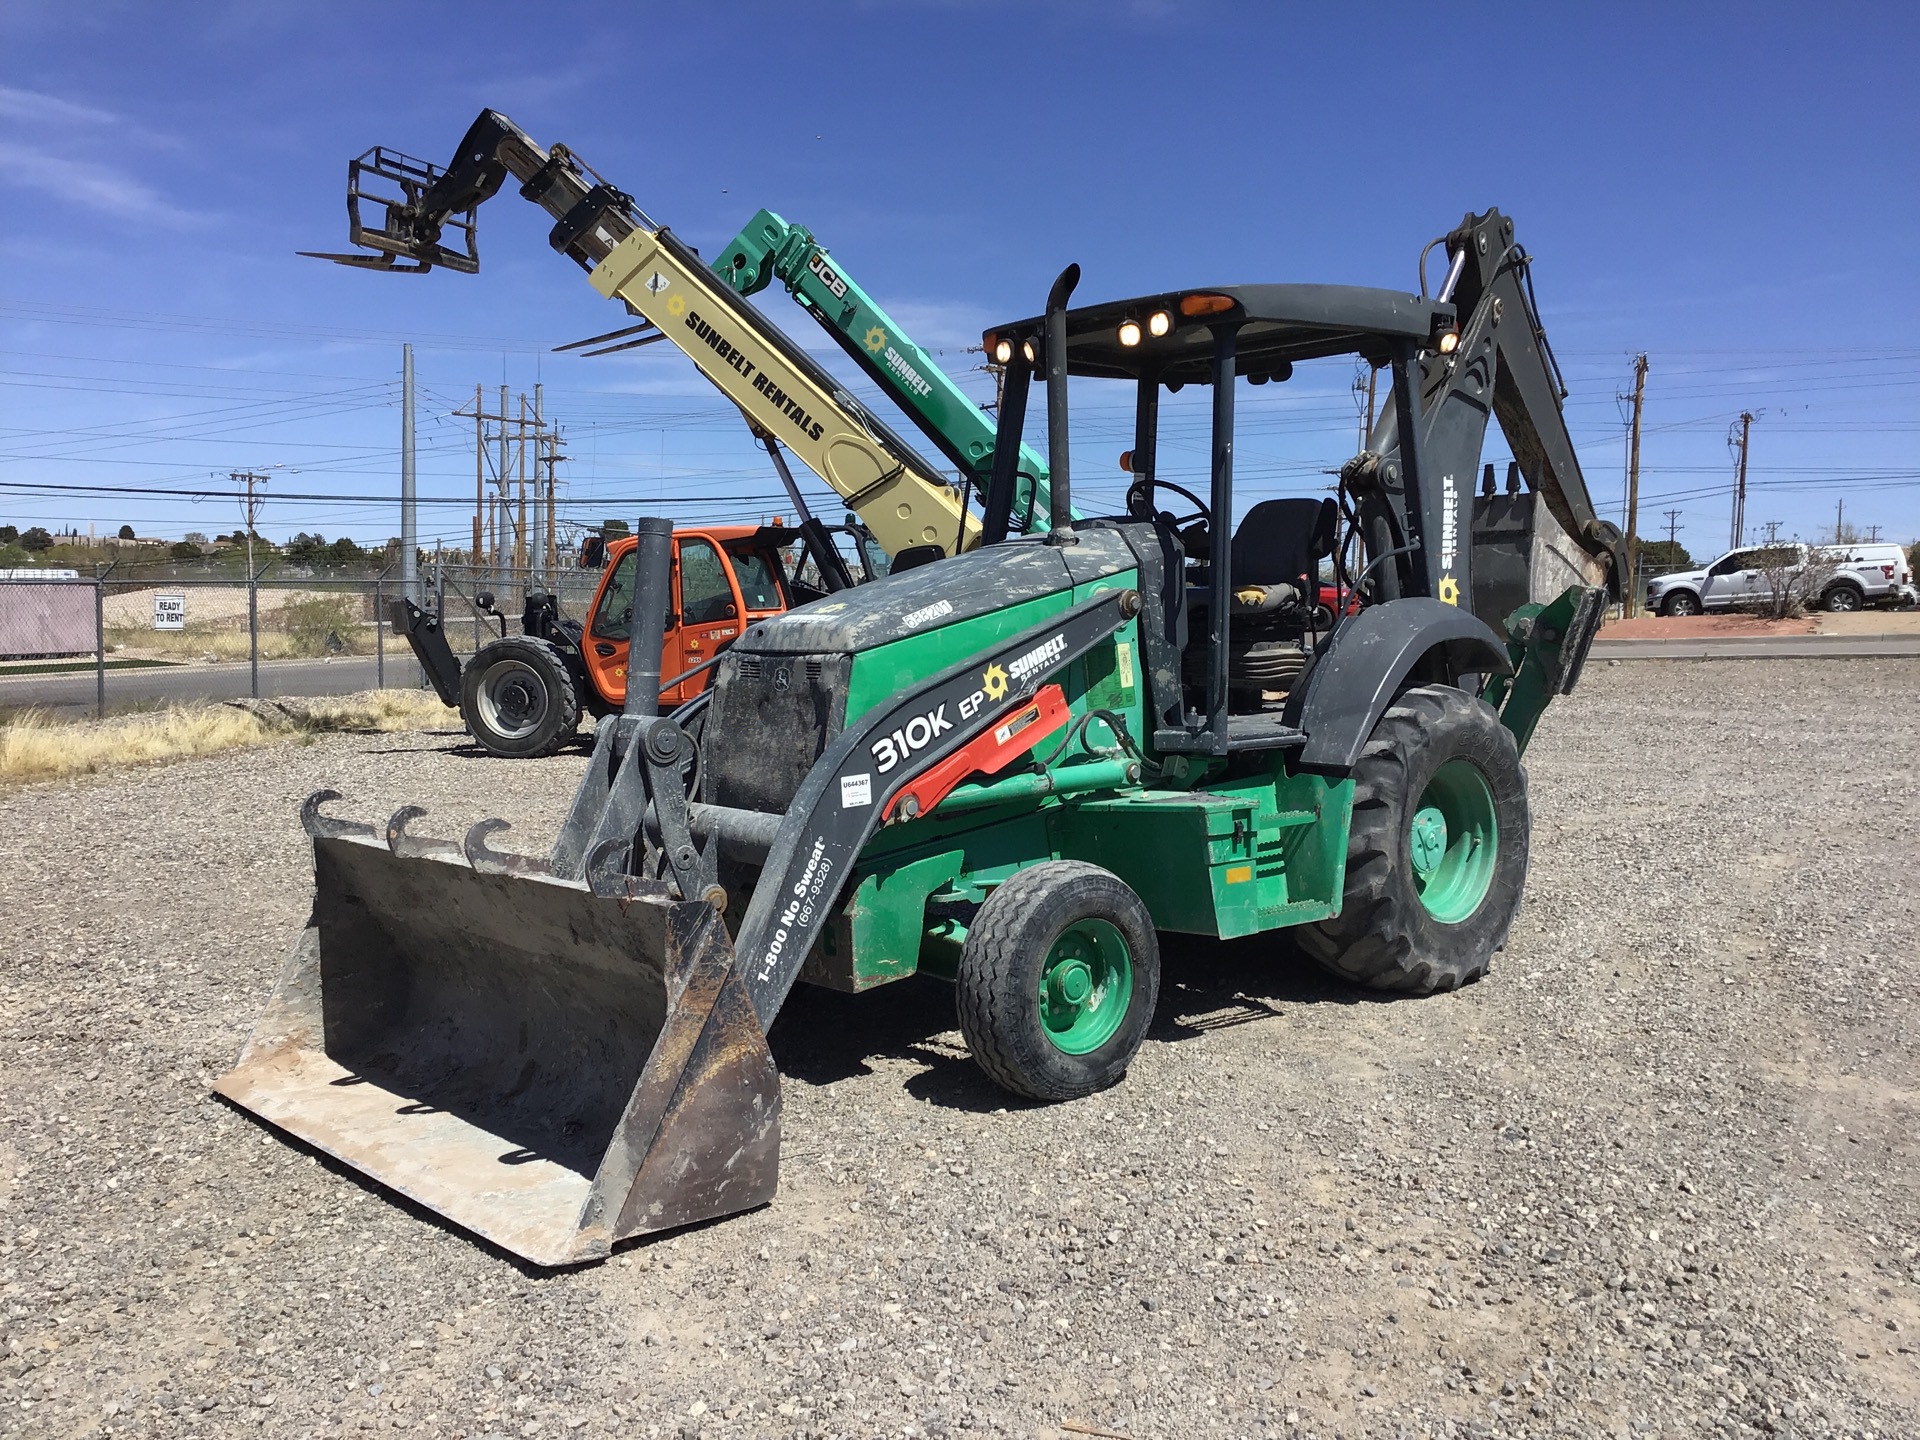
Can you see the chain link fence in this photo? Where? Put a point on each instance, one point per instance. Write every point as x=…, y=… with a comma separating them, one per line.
x=119, y=641
x=104, y=645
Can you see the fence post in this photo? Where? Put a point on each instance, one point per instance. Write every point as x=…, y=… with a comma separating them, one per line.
x=253, y=634
x=380, y=631
x=99, y=643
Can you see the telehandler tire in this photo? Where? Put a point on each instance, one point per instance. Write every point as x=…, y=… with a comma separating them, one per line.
x=1058, y=979
x=518, y=698
x=1437, y=853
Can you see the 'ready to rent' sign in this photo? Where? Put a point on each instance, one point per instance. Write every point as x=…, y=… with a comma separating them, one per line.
x=169, y=612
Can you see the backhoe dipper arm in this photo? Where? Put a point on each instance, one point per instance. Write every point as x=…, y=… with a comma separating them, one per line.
x=778, y=386
x=1499, y=365
x=770, y=248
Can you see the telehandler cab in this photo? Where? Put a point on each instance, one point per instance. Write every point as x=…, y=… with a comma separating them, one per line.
x=522, y=696
x=1011, y=769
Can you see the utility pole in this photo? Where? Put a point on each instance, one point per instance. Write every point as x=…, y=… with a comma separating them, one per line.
x=479, y=472
x=409, y=507
x=1740, y=483
x=1673, y=527
x=1873, y=533
x=539, y=533
x=250, y=506
x=1773, y=532
x=1840, y=521
x=1633, y=487
x=251, y=509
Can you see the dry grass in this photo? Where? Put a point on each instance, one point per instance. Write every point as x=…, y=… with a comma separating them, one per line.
x=38, y=746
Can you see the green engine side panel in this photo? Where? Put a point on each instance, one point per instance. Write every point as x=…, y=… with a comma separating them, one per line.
x=1242, y=857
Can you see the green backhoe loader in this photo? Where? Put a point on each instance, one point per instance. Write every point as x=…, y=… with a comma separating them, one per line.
x=1013, y=769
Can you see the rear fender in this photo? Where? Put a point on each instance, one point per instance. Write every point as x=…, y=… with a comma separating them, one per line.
x=1368, y=662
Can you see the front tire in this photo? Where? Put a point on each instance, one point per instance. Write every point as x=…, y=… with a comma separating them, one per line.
x=1058, y=979
x=1437, y=851
x=518, y=698
x=1681, y=602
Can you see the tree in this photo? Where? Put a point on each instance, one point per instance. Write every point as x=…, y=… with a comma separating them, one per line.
x=126, y=532
x=305, y=549
x=36, y=539
x=344, y=552
x=187, y=550
x=1664, y=556
x=194, y=537
x=10, y=533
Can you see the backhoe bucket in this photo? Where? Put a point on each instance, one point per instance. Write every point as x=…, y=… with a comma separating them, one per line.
x=550, y=1069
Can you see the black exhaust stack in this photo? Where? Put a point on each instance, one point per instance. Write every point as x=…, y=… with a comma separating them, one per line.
x=652, y=576
x=1060, y=493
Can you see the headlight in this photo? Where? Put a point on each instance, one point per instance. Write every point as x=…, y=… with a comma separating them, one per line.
x=1027, y=351
x=1002, y=351
x=1130, y=332
x=1159, y=323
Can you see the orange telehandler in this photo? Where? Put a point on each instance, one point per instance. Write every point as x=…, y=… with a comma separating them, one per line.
x=523, y=695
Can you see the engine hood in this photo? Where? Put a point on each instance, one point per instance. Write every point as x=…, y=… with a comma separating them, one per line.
x=943, y=593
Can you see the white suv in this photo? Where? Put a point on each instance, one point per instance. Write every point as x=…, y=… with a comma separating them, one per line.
x=1867, y=575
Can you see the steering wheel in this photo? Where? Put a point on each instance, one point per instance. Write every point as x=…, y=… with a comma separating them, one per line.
x=1140, y=501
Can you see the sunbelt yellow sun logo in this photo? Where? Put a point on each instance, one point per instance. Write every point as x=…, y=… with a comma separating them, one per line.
x=876, y=339
x=994, y=682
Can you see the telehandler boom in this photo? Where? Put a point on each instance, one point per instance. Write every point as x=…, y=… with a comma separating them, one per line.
x=1012, y=769
x=784, y=393
x=770, y=249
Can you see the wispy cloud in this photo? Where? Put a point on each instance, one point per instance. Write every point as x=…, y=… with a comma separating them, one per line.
x=30, y=107
x=90, y=185
x=54, y=146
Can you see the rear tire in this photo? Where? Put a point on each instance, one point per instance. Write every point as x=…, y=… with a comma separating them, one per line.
x=1058, y=980
x=1843, y=598
x=1681, y=602
x=1437, y=852
x=518, y=698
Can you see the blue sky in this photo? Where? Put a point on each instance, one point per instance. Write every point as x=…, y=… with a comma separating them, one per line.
x=1732, y=189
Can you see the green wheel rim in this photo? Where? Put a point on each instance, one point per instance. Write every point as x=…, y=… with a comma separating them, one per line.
x=1086, y=986
x=1453, y=842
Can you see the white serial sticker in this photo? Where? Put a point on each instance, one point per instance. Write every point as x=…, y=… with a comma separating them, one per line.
x=1123, y=656
x=913, y=619
x=855, y=791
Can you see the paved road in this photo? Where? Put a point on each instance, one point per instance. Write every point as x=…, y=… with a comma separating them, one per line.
x=1774, y=647
x=74, y=690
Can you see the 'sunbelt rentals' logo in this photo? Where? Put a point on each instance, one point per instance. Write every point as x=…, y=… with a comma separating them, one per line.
x=775, y=396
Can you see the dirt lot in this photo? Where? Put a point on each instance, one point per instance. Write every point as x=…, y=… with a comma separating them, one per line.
x=1655, y=1176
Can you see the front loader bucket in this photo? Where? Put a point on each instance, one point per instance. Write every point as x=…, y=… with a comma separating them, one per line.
x=550, y=1069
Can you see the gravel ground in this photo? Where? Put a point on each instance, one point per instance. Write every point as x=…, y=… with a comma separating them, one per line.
x=1655, y=1176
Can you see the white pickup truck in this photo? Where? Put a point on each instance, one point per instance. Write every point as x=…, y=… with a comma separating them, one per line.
x=1865, y=575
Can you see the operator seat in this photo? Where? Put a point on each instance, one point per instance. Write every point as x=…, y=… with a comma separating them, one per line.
x=1277, y=552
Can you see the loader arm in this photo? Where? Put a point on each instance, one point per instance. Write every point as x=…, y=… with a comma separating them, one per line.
x=779, y=387
x=1500, y=365
x=770, y=249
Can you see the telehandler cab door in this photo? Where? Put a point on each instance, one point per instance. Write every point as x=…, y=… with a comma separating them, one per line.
x=708, y=607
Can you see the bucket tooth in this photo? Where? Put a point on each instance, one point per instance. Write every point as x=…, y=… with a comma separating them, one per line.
x=414, y=847
x=318, y=826
x=489, y=861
